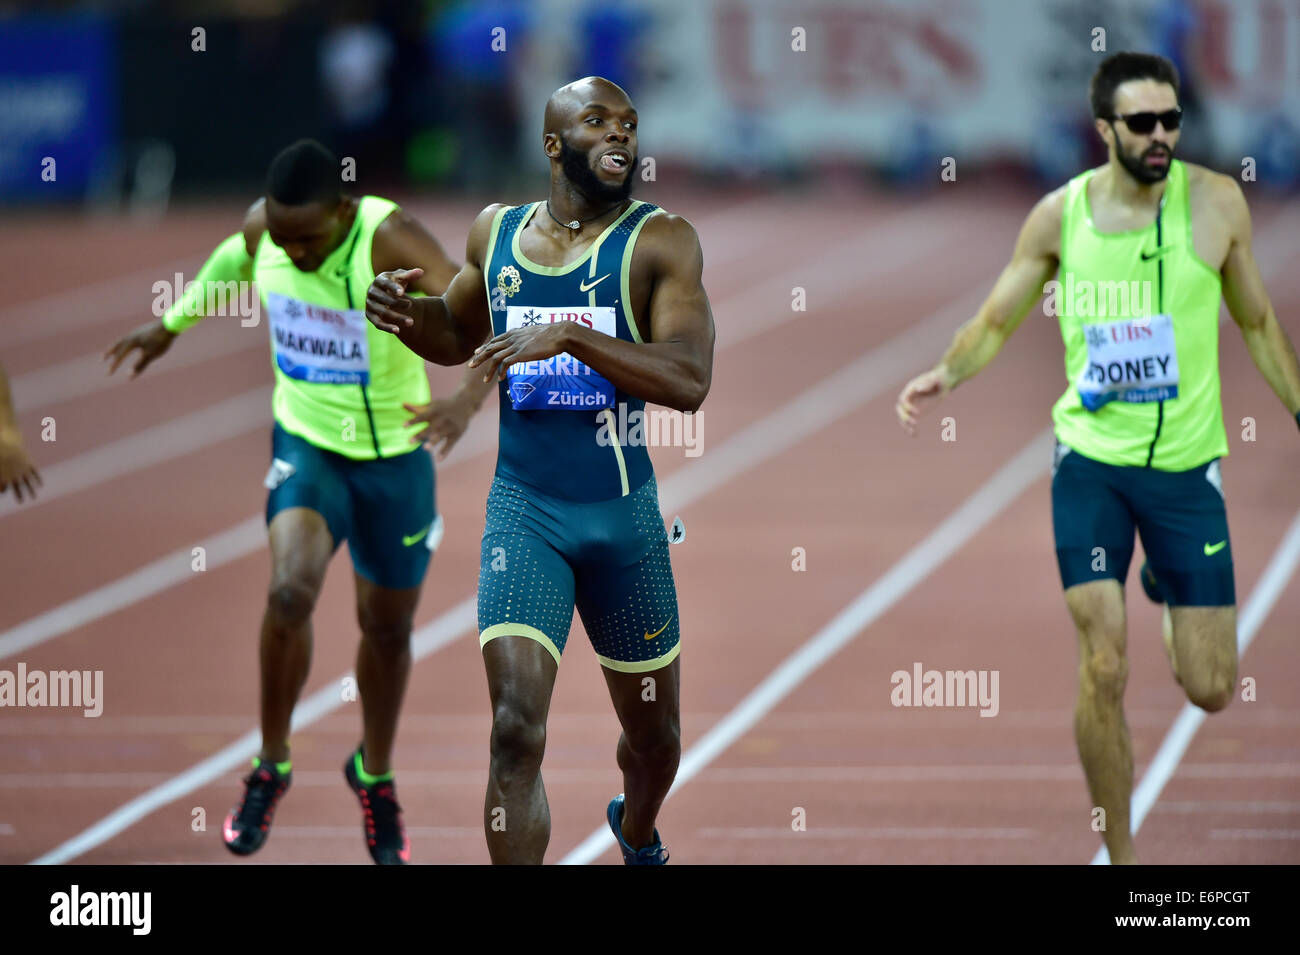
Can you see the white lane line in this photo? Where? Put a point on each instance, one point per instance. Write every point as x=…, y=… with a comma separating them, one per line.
x=1267, y=835
x=832, y=399
x=1030, y=464
x=232, y=544
x=177, y=567
x=102, y=301
x=155, y=445
x=88, y=374
x=428, y=639
x=866, y=832
x=1248, y=808
x=1268, y=589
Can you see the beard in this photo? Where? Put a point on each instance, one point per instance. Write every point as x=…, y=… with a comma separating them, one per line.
x=578, y=171
x=1137, y=166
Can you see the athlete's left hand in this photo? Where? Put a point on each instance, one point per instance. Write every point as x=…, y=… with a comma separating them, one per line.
x=16, y=468
x=532, y=343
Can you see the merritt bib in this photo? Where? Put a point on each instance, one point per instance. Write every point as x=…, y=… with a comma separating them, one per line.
x=558, y=417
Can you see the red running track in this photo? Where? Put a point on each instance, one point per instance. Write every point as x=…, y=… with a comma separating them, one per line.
x=800, y=450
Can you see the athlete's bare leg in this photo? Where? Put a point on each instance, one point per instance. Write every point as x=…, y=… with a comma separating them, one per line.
x=650, y=746
x=301, y=546
x=1099, y=727
x=516, y=818
x=1205, y=654
x=383, y=666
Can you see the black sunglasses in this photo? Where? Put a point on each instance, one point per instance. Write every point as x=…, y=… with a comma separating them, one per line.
x=1143, y=123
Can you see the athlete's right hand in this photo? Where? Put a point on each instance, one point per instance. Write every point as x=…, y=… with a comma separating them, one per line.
x=445, y=420
x=152, y=340
x=387, y=305
x=923, y=389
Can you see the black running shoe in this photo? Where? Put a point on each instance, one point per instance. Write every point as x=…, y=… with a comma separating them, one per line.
x=385, y=831
x=248, y=824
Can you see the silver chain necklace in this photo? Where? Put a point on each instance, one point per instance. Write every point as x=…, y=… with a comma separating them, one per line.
x=576, y=224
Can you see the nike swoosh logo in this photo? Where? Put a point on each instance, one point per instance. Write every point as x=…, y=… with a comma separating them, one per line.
x=1211, y=550
x=651, y=636
x=1148, y=256
x=584, y=287
x=414, y=538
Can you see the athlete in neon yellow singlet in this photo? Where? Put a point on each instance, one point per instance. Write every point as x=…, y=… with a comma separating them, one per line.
x=1143, y=248
x=351, y=407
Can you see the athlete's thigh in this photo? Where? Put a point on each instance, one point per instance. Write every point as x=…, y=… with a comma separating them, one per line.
x=306, y=509
x=521, y=677
x=1097, y=611
x=1184, y=526
x=385, y=610
x=1091, y=521
x=647, y=703
x=301, y=548
x=395, y=524
x=525, y=582
x=625, y=590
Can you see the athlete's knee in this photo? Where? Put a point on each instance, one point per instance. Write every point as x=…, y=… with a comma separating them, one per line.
x=1210, y=691
x=290, y=602
x=518, y=740
x=659, y=742
x=1103, y=674
x=386, y=637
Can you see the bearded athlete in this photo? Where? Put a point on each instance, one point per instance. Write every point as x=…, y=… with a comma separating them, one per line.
x=596, y=301
x=1140, y=427
x=349, y=404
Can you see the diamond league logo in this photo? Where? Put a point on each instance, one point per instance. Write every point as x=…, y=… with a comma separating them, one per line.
x=521, y=390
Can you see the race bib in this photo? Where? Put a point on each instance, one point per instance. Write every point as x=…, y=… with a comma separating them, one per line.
x=561, y=383
x=1133, y=360
x=318, y=344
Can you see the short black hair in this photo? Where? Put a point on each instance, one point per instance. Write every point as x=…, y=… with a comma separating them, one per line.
x=1119, y=68
x=304, y=172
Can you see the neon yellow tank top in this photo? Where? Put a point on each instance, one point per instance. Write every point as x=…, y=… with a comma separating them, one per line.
x=339, y=381
x=1139, y=314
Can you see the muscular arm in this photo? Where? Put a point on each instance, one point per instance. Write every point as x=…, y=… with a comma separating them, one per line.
x=401, y=242
x=674, y=368
x=231, y=262
x=1243, y=291
x=444, y=329
x=1033, y=262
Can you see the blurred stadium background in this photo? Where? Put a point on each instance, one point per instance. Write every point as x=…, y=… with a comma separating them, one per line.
x=137, y=107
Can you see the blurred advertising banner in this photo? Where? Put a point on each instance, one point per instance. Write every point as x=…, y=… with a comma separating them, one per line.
x=58, y=104
x=770, y=84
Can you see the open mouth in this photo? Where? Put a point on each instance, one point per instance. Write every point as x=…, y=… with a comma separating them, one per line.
x=616, y=160
x=1158, y=159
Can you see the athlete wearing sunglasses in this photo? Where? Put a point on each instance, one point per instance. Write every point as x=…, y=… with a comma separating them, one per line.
x=1144, y=123
x=1140, y=427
